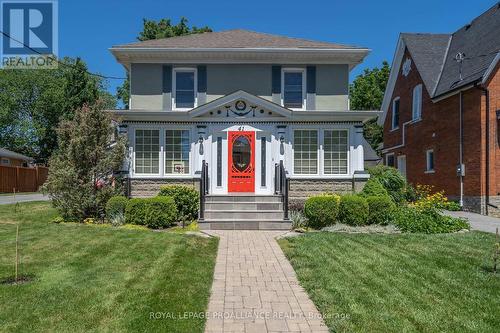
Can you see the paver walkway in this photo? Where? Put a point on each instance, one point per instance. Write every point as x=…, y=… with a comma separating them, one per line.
x=255, y=288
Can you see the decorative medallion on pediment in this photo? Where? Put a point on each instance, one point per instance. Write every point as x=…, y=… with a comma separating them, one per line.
x=241, y=108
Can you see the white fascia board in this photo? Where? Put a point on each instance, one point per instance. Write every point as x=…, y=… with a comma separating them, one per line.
x=391, y=83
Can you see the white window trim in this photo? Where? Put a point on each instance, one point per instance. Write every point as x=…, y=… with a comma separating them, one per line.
x=416, y=105
x=427, y=164
x=393, y=128
x=304, y=93
x=348, y=152
x=318, y=152
x=174, y=79
x=387, y=158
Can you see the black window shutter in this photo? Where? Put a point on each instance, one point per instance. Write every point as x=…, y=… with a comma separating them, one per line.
x=311, y=79
x=276, y=78
x=202, y=78
x=167, y=79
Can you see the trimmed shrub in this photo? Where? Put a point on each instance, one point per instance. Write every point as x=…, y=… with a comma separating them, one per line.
x=427, y=221
x=353, y=210
x=373, y=187
x=186, y=198
x=380, y=209
x=160, y=212
x=135, y=210
x=391, y=180
x=321, y=211
x=115, y=206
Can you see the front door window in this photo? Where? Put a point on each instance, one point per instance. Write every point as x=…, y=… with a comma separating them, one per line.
x=241, y=153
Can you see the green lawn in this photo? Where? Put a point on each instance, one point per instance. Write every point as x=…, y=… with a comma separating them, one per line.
x=399, y=283
x=93, y=279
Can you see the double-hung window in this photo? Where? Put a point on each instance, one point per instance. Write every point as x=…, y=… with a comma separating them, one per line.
x=429, y=157
x=417, y=102
x=147, y=151
x=336, y=149
x=184, y=88
x=305, y=152
x=293, y=91
x=177, y=148
x=395, y=113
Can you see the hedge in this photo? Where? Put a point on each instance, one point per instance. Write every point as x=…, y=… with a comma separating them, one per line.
x=135, y=211
x=157, y=212
x=380, y=209
x=373, y=187
x=353, y=210
x=186, y=198
x=322, y=210
x=428, y=221
x=116, y=206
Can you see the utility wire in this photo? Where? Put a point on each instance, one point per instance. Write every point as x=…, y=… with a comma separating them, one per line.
x=60, y=62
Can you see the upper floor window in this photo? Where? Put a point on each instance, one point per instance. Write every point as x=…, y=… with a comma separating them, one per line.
x=184, y=88
x=293, y=92
x=417, y=102
x=395, y=113
x=389, y=160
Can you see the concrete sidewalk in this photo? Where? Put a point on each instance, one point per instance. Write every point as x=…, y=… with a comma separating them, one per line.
x=477, y=221
x=10, y=199
x=255, y=288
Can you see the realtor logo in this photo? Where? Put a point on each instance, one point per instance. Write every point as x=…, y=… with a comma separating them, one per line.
x=29, y=38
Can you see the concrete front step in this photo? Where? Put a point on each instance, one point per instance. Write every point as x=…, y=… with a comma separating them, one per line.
x=243, y=198
x=230, y=205
x=245, y=225
x=244, y=214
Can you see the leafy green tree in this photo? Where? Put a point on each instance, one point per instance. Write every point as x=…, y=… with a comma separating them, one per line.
x=80, y=179
x=156, y=30
x=367, y=93
x=32, y=102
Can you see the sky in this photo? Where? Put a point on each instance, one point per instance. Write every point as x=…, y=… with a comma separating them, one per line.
x=88, y=28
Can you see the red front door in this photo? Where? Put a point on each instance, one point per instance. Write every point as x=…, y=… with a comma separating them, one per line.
x=241, y=161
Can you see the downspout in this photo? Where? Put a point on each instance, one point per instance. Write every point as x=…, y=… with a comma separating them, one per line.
x=461, y=150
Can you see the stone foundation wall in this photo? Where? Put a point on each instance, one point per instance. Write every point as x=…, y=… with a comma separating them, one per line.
x=140, y=188
x=477, y=204
x=301, y=189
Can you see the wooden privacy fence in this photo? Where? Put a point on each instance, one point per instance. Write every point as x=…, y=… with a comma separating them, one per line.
x=22, y=179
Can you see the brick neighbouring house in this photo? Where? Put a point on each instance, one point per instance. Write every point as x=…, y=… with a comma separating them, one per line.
x=438, y=108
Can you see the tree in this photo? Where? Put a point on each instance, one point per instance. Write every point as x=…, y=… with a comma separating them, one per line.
x=32, y=102
x=80, y=179
x=367, y=93
x=156, y=30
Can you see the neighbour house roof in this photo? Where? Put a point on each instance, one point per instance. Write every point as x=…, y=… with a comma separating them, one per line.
x=10, y=154
x=236, y=38
x=434, y=56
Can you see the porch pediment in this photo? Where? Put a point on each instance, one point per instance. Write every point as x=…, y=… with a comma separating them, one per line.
x=240, y=104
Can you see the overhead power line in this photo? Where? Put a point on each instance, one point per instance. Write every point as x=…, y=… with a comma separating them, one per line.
x=60, y=62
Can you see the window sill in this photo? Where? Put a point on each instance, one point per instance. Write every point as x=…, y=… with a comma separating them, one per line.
x=429, y=171
x=394, y=129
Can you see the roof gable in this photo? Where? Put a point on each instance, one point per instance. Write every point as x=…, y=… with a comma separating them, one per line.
x=235, y=39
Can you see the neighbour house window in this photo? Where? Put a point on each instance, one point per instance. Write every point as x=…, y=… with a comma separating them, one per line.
x=429, y=160
x=147, y=150
x=389, y=160
x=395, y=113
x=305, y=152
x=177, y=148
x=335, y=152
x=5, y=161
x=184, y=85
x=417, y=102
x=293, y=83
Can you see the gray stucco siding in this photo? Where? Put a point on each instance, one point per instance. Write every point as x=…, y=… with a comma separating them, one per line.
x=146, y=86
x=332, y=87
x=225, y=79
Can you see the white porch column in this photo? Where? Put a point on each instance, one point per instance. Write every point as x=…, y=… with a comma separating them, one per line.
x=359, y=158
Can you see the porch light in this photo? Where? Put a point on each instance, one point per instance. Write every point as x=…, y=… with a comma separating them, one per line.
x=282, y=139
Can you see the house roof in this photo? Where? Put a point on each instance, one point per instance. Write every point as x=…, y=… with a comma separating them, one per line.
x=434, y=56
x=480, y=42
x=10, y=154
x=236, y=38
x=428, y=51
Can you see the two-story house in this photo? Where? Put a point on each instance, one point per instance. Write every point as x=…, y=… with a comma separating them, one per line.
x=442, y=110
x=252, y=118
